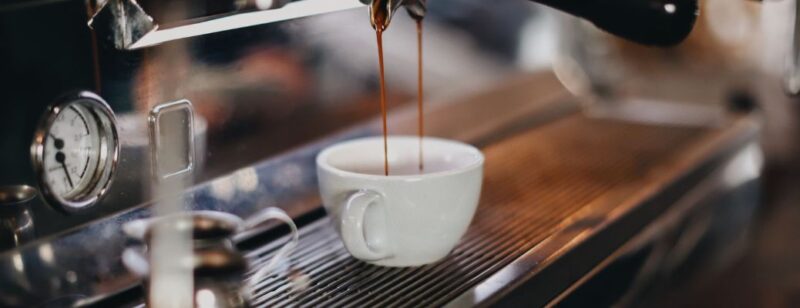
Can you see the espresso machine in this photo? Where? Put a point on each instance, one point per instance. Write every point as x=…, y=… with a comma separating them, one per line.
x=114, y=107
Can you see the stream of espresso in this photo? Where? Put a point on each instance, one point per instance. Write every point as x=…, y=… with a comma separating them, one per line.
x=420, y=113
x=381, y=13
x=379, y=34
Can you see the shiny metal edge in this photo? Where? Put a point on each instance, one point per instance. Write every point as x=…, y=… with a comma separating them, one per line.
x=596, y=217
x=154, y=128
x=292, y=10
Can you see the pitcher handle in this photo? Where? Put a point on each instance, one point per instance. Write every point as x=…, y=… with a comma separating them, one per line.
x=260, y=218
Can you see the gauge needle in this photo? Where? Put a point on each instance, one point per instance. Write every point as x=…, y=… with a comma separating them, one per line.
x=61, y=158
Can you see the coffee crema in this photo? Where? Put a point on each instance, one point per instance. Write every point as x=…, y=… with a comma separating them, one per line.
x=404, y=168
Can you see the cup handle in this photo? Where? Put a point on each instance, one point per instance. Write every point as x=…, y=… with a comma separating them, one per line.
x=351, y=224
x=260, y=218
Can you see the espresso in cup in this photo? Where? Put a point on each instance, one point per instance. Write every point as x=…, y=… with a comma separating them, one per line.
x=410, y=217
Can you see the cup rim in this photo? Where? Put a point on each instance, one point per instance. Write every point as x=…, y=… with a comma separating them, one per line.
x=322, y=159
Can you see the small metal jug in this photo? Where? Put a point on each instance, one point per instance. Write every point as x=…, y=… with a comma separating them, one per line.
x=218, y=267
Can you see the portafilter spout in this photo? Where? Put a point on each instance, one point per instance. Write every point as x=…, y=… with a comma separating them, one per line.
x=381, y=11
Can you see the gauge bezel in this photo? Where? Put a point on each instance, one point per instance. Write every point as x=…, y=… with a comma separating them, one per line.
x=103, y=117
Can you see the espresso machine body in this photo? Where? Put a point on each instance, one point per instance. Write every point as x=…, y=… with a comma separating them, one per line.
x=270, y=85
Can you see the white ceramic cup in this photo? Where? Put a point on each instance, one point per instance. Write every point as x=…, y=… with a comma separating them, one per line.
x=406, y=218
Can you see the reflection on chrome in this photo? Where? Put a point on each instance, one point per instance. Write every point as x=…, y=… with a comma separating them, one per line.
x=206, y=299
x=19, y=265
x=46, y=253
x=223, y=189
x=71, y=276
x=288, y=176
x=745, y=167
x=246, y=179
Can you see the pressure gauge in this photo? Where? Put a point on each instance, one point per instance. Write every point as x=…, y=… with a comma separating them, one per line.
x=75, y=151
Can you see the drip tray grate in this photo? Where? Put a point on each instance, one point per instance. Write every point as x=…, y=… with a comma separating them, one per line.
x=533, y=182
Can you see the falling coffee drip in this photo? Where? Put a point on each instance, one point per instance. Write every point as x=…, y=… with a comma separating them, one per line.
x=416, y=9
x=380, y=17
x=420, y=113
x=380, y=14
x=379, y=34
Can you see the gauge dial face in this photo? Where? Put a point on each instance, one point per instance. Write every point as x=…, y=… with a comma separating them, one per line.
x=75, y=151
x=71, y=152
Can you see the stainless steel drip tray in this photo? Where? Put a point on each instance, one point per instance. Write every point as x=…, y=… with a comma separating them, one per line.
x=557, y=199
x=561, y=192
x=547, y=192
